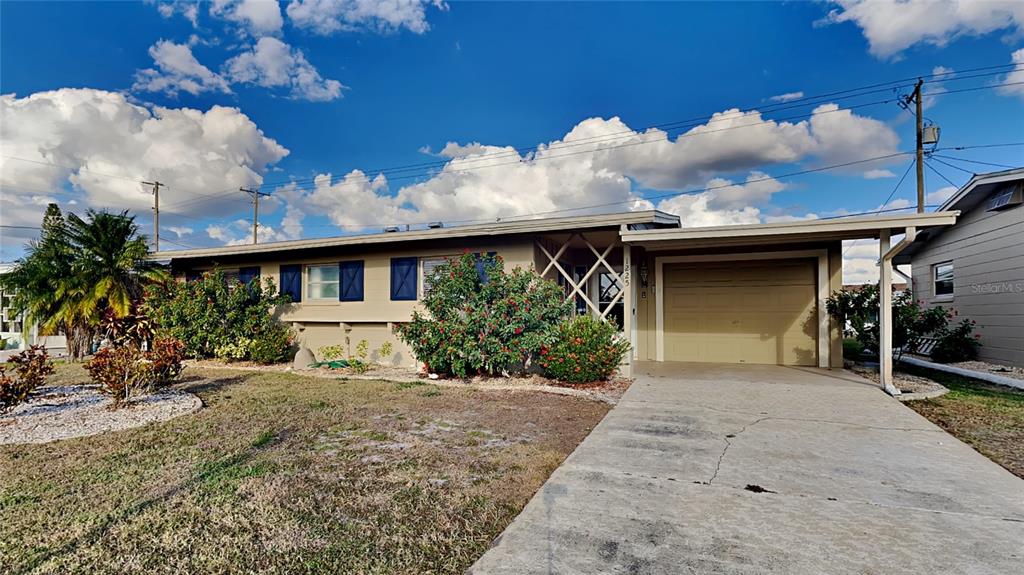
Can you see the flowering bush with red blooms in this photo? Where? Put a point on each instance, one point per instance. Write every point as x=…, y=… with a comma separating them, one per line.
x=957, y=343
x=31, y=368
x=585, y=350
x=482, y=320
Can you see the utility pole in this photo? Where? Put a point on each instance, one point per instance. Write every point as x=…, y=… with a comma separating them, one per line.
x=920, y=146
x=255, y=211
x=156, y=213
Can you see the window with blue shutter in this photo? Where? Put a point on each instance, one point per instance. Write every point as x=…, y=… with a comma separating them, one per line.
x=351, y=275
x=246, y=275
x=291, y=281
x=403, y=279
x=482, y=262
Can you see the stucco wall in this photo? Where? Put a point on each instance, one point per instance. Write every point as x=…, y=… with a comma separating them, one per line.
x=329, y=322
x=987, y=251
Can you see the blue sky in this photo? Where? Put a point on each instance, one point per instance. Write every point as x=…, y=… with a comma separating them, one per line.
x=214, y=96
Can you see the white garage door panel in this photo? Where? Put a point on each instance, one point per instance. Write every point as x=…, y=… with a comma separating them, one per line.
x=741, y=312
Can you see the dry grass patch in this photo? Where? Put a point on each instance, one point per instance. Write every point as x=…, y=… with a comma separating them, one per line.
x=286, y=473
x=990, y=418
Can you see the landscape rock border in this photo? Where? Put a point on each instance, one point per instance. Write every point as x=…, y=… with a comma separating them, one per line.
x=54, y=413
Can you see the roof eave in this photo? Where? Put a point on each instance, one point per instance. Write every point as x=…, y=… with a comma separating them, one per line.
x=839, y=229
x=480, y=230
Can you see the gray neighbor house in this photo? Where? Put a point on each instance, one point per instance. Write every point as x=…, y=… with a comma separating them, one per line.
x=976, y=266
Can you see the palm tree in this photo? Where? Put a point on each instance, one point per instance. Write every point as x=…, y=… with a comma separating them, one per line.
x=110, y=266
x=80, y=270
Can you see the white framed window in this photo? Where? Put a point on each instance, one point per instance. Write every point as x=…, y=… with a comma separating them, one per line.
x=1007, y=197
x=942, y=274
x=322, y=282
x=427, y=267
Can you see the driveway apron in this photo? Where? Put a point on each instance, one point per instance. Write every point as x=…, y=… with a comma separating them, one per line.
x=710, y=468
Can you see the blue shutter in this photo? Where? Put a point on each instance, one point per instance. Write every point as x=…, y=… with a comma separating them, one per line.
x=246, y=275
x=481, y=265
x=291, y=281
x=403, y=279
x=350, y=274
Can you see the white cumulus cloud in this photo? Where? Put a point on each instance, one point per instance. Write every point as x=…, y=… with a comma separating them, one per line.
x=1015, y=77
x=878, y=174
x=272, y=63
x=256, y=17
x=601, y=163
x=177, y=70
x=787, y=97
x=891, y=26
x=95, y=147
x=940, y=195
x=329, y=16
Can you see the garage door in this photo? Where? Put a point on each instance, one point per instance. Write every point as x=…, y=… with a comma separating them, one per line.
x=741, y=312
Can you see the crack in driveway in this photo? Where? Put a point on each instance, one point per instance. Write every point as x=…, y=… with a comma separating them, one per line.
x=728, y=444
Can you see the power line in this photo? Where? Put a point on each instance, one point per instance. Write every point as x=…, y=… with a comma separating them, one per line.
x=798, y=103
x=881, y=208
x=941, y=175
x=350, y=181
x=75, y=168
x=976, y=162
x=951, y=165
x=674, y=194
x=583, y=141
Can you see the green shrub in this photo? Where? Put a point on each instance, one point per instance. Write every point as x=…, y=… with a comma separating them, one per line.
x=331, y=352
x=335, y=356
x=274, y=345
x=214, y=319
x=234, y=351
x=31, y=368
x=492, y=322
x=857, y=312
x=852, y=348
x=584, y=350
x=958, y=343
x=121, y=372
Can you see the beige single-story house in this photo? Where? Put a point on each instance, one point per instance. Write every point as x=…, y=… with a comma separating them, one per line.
x=976, y=267
x=732, y=294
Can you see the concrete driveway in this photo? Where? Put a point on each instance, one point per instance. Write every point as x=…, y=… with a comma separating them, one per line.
x=765, y=469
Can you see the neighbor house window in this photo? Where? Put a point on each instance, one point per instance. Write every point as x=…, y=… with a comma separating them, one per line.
x=943, y=279
x=1005, y=198
x=427, y=267
x=322, y=282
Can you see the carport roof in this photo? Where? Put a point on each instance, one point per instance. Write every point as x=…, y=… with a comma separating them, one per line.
x=848, y=228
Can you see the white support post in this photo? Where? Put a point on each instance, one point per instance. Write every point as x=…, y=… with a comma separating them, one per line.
x=627, y=311
x=885, y=314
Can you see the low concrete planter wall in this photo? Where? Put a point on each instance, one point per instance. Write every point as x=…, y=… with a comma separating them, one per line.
x=989, y=377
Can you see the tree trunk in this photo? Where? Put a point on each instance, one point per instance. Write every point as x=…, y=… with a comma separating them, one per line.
x=79, y=339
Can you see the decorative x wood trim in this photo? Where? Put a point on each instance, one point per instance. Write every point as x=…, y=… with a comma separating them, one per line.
x=576, y=286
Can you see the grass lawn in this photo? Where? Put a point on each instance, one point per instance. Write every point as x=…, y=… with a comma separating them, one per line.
x=989, y=418
x=285, y=473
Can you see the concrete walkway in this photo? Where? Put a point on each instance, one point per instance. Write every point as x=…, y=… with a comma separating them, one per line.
x=765, y=469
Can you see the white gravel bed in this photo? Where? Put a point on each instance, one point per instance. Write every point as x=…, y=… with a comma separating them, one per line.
x=64, y=412
x=994, y=369
x=911, y=385
x=982, y=366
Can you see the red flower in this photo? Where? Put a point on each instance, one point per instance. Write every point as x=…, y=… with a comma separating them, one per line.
x=519, y=330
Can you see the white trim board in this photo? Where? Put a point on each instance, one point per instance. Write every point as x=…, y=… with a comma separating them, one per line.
x=824, y=341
